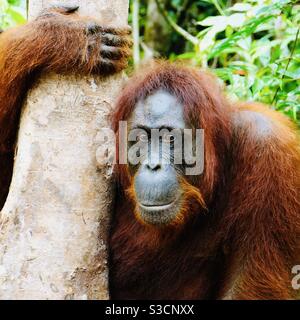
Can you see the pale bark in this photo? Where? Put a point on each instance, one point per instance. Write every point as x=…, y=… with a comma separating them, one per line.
x=53, y=227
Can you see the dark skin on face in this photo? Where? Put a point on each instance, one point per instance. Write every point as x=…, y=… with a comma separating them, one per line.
x=242, y=241
x=156, y=182
x=246, y=243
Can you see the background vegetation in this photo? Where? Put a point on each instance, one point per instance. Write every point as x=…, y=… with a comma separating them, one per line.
x=251, y=45
x=12, y=13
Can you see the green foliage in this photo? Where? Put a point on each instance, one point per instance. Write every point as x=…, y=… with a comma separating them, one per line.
x=12, y=13
x=254, y=47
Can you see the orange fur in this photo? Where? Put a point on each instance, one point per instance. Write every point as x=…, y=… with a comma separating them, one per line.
x=245, y=245
x=191, y=197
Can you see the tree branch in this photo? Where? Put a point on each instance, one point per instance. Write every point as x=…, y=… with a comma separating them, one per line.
x=175, y=26
x=288, y=63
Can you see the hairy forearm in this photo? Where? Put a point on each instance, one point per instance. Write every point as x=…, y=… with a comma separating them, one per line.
x=60, y=41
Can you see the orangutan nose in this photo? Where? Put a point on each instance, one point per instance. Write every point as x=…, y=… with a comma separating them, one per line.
x=152, y=166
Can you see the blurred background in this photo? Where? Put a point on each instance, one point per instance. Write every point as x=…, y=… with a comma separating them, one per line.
x=252, y=46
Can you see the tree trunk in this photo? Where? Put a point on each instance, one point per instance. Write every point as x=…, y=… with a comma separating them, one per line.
x=53, y=227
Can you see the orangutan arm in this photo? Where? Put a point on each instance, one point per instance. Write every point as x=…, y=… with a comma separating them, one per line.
x=59, y=41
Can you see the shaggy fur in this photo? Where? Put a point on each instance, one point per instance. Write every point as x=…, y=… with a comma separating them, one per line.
x=59, y=41
x=244, y=244
x=239, y=231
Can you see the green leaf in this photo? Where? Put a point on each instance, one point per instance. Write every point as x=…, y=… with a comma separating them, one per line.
x=241, y=7
x=16, y=16
x=14, y=2
x=214, y=21
x=246, y=31
x=187, y=55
